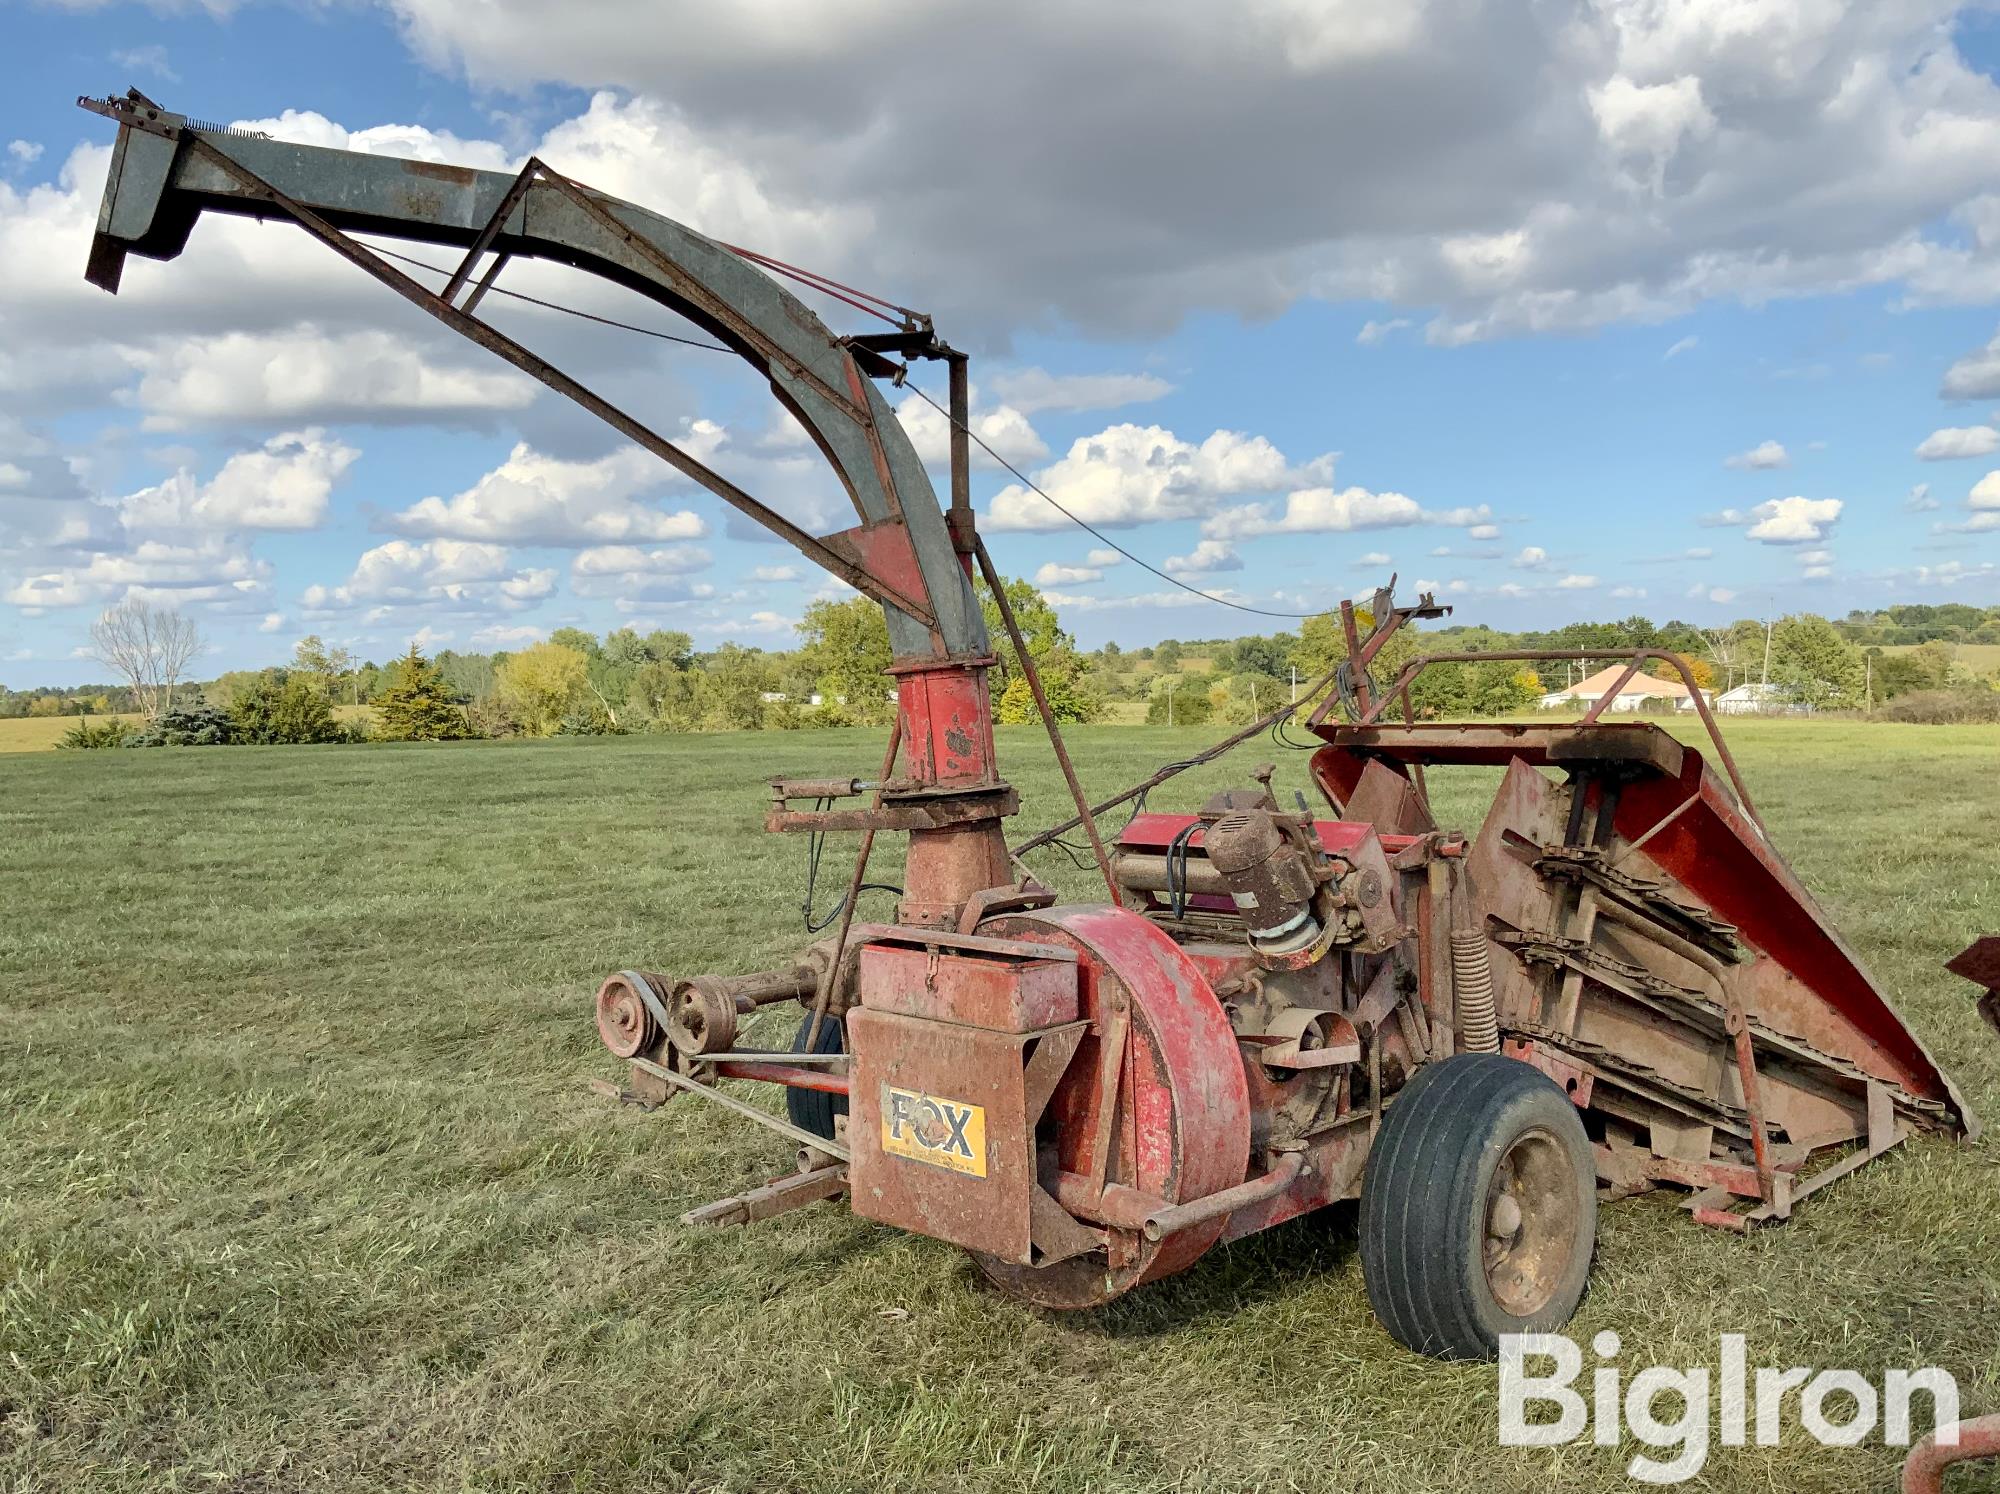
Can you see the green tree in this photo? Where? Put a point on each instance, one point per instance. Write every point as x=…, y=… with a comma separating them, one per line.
x=665, y=696
x=418, y=704
x=577, y=639
x=540, y=685
x=1017, y=703
x=733, y=690
x=1268, y=656
x=467, y=677
x=1811, y=660
x=1180, y=701
x=846, y=654
x=664, y=645
x=1248, y=695
x=1933, y=661
x=328, y=662
x=625, y=646
x=1068, y=701
x=1167, y=656
x=284, y=707
x=1319, y=647
x=1066, y=674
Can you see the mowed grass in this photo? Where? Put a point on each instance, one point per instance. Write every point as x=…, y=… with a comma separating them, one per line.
x=301, y=1186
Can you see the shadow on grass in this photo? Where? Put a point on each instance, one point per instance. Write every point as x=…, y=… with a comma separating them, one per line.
x=1222, y=1284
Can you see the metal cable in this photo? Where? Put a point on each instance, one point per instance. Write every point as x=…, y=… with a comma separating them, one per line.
x=588, y=316
x=1018, y=475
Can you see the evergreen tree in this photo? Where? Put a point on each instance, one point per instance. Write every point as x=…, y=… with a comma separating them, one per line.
x=284, y=708
x=417, y=705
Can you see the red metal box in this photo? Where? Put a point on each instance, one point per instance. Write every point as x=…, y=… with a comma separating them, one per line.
x=999, y=984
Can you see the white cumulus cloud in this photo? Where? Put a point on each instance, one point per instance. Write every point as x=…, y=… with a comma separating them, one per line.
x=1031, y=390
x=1795, y=520
x=303, y=373
x=1765, y=456
x=443, y=573
x=1134, y=474
x=1004, y=429
x=1054, y=573
x=1208, y=557
x=1955, y=441
x=536, y=499
x=1334, y=511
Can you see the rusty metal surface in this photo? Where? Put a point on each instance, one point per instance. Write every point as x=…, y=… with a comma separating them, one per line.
x=676, y=1080
x=1495, y=744
x=780, y=1196
x=994, y=988
x=157, y=189
x=932, y=813
x=940, y=1132
x=792, y=1076
x=1637, y=656
x=1308, y=693
x=1802, y=985
x=626, y=1021
x=948, y=716
x=1176, y=1121
x=1923, y=1470
x=1978, y=962
x=1175, y=1218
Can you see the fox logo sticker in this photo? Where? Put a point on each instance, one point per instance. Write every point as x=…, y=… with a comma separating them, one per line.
x=930, y=1128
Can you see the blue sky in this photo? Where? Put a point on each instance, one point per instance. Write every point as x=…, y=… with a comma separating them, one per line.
x=1571, y=310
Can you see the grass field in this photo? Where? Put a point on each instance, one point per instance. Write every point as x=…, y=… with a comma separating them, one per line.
x=301, y=1186
x=1981, y=658
x=41, y=733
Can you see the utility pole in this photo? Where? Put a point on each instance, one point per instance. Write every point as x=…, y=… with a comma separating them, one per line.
x=1295, y=684
x=1767, y=651
x=1170, y=702
x=1868, y=684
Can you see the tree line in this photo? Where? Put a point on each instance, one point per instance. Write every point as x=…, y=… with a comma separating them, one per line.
x=579, y=683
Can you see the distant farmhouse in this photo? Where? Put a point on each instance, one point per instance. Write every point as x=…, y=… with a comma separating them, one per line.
x=1637, y=692
x=1760, y=700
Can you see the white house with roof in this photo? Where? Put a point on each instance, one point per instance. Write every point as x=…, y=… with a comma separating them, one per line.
x=1632, y=695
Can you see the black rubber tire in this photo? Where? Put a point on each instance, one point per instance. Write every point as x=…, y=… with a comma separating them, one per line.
x=810, y=1109
x=1425, y=1197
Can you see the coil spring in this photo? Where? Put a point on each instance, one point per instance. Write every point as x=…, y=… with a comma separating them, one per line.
x=1472, y=987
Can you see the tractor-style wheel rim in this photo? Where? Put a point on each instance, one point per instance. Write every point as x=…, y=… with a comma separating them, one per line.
x=1528, y=1232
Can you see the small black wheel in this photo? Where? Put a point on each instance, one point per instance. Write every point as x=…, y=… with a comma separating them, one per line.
x=1478, y=1208
x=810, y=1109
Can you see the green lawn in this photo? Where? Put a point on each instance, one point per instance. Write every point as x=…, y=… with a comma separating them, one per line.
x=301, y=1185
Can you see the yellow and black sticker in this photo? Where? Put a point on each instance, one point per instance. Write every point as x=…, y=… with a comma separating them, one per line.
x=930, y=1128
